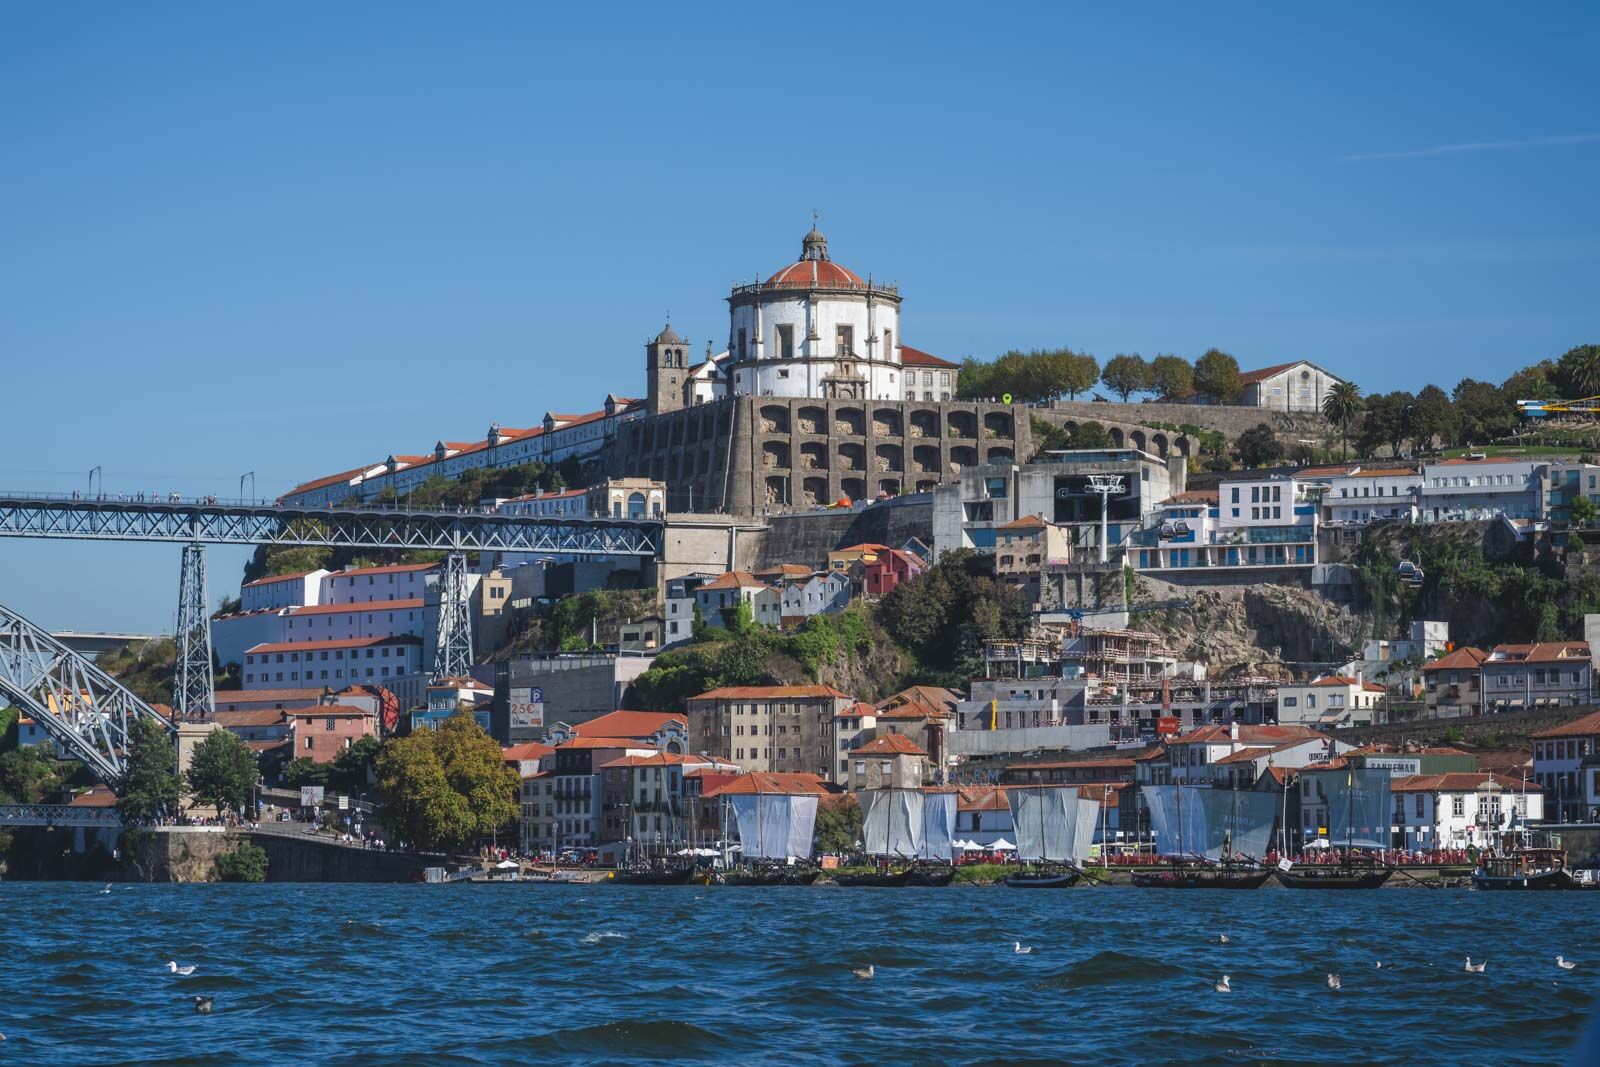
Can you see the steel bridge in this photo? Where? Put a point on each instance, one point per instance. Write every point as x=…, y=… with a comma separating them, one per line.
x=82, y=707
x=197, y=522
x=57, y=815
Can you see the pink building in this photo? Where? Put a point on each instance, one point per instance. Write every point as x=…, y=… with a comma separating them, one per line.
x=321, y=733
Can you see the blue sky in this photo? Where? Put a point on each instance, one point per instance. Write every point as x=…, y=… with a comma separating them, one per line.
x=288, y=240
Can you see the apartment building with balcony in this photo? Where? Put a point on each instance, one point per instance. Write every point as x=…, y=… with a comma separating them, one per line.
x=1452, y=685
x=1543, y=674
x=1256, y=523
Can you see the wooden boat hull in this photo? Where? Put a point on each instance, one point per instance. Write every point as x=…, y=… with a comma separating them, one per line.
x=671, y=876
x=936, y=877
x=1202, y=879
x=782, y=876
x=881, y=880
x=1538, y=880
x=1339, y=879
x=1043, y=880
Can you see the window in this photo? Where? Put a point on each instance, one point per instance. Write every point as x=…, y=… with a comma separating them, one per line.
x=742, y=345
x=786, y=341
x=844, y=342
x=1458, y=805
x=1290, y=702
x=1235, y=496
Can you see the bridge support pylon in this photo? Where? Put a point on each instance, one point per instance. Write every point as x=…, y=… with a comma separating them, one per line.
x=193, y=683
x=452, y=651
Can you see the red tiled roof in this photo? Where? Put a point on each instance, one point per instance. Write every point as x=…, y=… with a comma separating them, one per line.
x=260, y=696
x=1460, y=782
x=601, y=742
x=97, y=797
x=936, y=698
x=981, y=798
x=277, y=578
x=823, y=272
x=915, y=357
x=736, y=580
x=890, y=744
x=332, y=479
x=1584, y=727
x=260, y=747
x=865, y=546
x=250, y=717
x=673, y=759
x=329, y=711
x=1245, y=755
x=1465, y=657
x=1542, y=652
x=1345, y=681
x=1193, y=496
x=629, y=724
x=1250, y=377
x=393, y=568
x=528, y=750
x=1250, y=735
x=316, y=646
x=771, y=692
x=1024, y=523
x=860, y=709
x=345, y=609
x=792, y=783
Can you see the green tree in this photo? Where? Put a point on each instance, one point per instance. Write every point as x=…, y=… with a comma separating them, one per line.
x=148, y=785
x=350, y=771
x=447, y=788
x=1259, y=447
x=1535, y=382
x=739, y=618
x=1582, y=511
x=944, y=615
x=244, y=863
x=838, y=825
x=1126, y=374
x=222, y=771
x=1342, y=404
x=30, y=774
x=1483, y=411
x=1577, y=373
x=1387, y=421
x=1433, y=417
x=1172, y=378
x=1082, y=371
x=303, y=770
x=1216, y=377
x=1091, y=434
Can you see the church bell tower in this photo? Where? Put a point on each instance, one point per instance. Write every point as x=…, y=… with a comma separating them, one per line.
x=667, y=357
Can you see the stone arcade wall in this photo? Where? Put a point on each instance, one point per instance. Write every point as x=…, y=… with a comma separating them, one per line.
x=747, y=453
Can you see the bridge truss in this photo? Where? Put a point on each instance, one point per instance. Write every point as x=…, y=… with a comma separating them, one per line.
x=77, y=703
x=56, y=815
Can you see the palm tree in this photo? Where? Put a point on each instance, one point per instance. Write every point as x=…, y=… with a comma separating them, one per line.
x=1579, y=371
x=1342, y=404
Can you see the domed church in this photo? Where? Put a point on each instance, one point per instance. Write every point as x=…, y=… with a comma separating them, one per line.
x=813, y=329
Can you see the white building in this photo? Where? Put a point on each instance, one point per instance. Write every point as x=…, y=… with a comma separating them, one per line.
x=1462, y=809
x=1260, y=521
x=1470, y=489
x=815, y=329
x=1338, y=700
x=820, y=594
x=727, y=591
x=337, y=663
x=281, y=591
x=1359, y=494
x=1297, y=386
x=1565, y=764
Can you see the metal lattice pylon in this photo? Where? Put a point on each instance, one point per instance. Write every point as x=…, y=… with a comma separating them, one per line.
x=193, y=685
x=452, y=652
x=77, y=703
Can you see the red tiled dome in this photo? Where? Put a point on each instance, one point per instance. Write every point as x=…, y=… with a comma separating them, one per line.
x=815, y=272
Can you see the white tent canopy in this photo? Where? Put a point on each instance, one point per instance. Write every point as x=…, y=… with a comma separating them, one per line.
x=1003, y=845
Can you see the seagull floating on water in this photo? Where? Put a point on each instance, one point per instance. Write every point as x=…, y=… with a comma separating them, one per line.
x=1020, y=949
x=1334, y=982
x=1222, y=939
x=1223, y=986
x=1377, y=964
x=173, y=968
x=1564, y=963
x=203, y=1005
x=864, y=973
x=106, y=890
x=1476, y=968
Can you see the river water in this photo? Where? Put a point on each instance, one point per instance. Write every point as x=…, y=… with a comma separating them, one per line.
x=512, y=974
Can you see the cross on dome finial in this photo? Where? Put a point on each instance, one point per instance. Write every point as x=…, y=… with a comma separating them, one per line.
x=814, y=246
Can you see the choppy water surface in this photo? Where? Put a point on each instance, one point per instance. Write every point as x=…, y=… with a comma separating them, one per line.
x=509, y=974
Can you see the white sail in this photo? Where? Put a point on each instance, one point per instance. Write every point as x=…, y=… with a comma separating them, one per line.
x=1083, y=835
x=875, y=820
x=1359, y=809
x=1045, y=822
x=775, y=826
x=938, y=827
x=1162, y=804
x=905, y=822
x=1236, y=821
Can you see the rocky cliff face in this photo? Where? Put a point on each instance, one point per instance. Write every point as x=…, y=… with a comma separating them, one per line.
x=1254, y=630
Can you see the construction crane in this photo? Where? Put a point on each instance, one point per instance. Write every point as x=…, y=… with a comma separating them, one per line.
x=1538, y=409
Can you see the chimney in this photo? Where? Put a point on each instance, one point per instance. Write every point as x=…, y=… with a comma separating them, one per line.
x=1233, y=730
